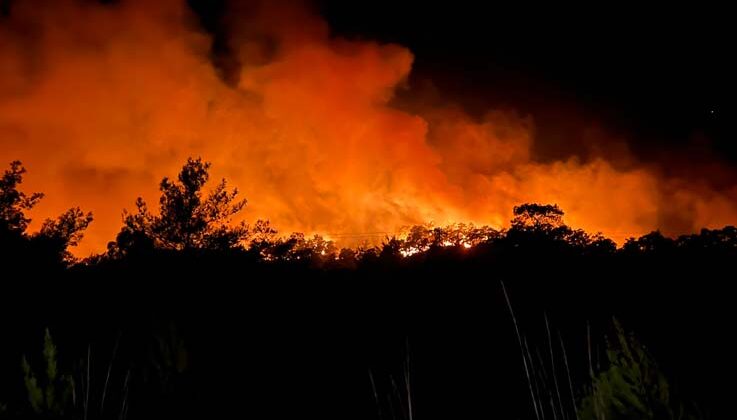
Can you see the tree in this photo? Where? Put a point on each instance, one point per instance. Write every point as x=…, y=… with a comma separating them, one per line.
x=57, y=235
x=263, y=235
x=709, y=242
x=186, y=219
x=49, y=245
x=537, y=217
x=653, y=242
x=13, y=202
x=542, y=225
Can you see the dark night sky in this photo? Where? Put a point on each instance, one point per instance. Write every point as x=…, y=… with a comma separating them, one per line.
x=659, y=76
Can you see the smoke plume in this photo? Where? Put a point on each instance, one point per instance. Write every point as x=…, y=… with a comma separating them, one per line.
x=100, y=101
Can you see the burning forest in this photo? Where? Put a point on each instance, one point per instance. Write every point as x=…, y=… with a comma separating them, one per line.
x=379, y=210
x=306, y=124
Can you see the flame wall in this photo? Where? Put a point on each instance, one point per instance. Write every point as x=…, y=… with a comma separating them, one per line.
x=102, y=101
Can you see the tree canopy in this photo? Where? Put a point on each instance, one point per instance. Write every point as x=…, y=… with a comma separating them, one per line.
x=50, y=244
x=187, y=218
x=13, y=202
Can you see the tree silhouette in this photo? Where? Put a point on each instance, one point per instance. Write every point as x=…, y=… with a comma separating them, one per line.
x=542, y=225
x=49, y=246
x=653, y=242
x=537, y=217
x=13, y=202
x=263, y=235
x=186, y=219
x=57, y=235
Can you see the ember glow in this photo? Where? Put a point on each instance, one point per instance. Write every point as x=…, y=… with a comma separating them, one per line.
x=100, y=110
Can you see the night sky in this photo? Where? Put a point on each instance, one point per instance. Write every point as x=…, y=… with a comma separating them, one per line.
x=661, y=75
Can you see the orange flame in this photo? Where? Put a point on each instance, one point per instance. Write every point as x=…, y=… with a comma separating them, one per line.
x=102, y=101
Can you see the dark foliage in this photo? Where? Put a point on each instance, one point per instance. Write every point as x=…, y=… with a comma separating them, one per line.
x=13, y=202
x=186, y=220
x=190, y=314
x=46, y=249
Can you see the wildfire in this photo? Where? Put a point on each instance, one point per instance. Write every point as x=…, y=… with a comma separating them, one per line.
x=100, y=110
x=420, y=239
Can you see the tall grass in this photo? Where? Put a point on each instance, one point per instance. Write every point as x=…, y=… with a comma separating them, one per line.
x=628, y=384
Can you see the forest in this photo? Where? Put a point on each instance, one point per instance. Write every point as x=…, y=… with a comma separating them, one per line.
x=189, y=313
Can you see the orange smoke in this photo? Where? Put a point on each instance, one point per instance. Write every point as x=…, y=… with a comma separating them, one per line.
x=102, y=101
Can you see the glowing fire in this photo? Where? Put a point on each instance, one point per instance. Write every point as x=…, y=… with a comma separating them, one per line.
x=100, y=110
x=412, y=250
x=420, y=239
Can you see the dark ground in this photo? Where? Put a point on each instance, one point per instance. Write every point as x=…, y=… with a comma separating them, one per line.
x=288, y=340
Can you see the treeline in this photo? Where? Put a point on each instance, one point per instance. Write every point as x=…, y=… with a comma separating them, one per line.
x=192, y=221
x=187, y=312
